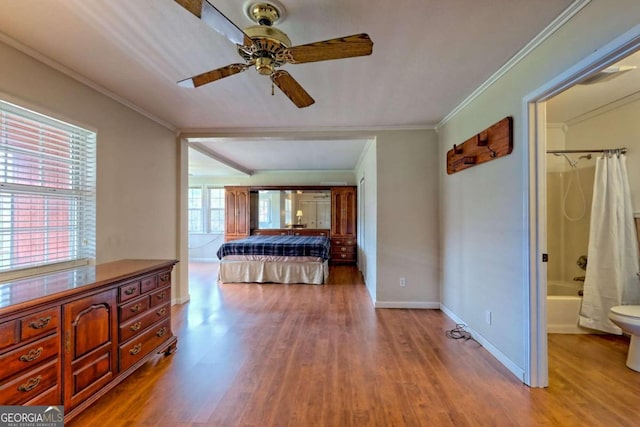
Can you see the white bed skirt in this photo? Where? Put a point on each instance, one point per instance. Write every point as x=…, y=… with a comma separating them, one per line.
x=271, y=271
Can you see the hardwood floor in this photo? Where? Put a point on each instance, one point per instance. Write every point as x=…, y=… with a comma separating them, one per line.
x=305, y=355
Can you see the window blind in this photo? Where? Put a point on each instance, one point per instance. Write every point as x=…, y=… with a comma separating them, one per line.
x=47, y=190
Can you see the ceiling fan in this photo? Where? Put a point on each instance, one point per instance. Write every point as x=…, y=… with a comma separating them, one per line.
x=267, y=48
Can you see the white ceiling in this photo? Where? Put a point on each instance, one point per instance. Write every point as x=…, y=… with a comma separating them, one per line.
x=581, y=101
x=272, y=154
x=428, y=56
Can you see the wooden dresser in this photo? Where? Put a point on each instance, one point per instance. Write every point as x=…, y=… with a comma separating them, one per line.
x=67, y=338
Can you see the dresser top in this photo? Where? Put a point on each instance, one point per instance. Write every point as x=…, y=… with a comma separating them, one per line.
x=51, y=286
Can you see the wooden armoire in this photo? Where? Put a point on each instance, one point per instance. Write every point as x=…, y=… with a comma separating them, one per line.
x=343, y=225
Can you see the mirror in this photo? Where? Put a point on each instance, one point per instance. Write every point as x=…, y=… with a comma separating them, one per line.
x=273, y=209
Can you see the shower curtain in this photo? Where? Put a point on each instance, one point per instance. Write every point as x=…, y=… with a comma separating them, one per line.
x=612, y=270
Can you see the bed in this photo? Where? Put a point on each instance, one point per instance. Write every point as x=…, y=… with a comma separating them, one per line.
x=275, y=259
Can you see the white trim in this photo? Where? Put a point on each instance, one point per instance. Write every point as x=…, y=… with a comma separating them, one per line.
x=222, y=131
x=501, y=357
x=181, y=300
x=408, y=304
x=549, y=30
x=85, y=81
x=536, y=366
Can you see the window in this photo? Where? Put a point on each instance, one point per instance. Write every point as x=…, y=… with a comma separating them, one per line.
x=47, y=190
x=216, y=210
x=195, y=210
x=264, y=211
x=206, y=210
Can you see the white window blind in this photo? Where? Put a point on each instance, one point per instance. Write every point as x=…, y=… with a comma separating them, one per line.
x=47, y=190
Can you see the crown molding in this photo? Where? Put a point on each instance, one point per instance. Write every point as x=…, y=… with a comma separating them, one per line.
x=367, y=131
x=547, y=32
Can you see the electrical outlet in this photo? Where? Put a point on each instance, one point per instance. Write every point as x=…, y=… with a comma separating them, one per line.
x=403, y=281
x=487, y=317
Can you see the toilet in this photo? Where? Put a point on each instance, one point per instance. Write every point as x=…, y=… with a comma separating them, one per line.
x=627, y=317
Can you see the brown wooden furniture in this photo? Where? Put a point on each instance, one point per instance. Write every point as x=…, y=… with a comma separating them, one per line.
x=343, y=225
x=290, y=232
x=69, y=337
x=236, y=213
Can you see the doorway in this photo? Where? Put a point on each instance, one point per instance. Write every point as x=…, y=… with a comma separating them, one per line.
x=542, y=104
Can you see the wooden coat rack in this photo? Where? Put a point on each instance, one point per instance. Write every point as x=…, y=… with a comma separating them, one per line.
x=493, y=142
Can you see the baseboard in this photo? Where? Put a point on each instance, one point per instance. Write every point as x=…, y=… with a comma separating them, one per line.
x=502, y=358
x=407, y=304
x=181, y=300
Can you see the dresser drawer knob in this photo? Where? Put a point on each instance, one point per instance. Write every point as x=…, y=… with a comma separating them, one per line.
x=130, y=291
x=161, y=331
x=31, y=384
x=161, y=295
x=165, y=277
x=136, y=326
x=343, y=255
x=136, y=349
x=31, y=355
x=162, y=311
x=40, y=323
x=136, y=308
x=343, y=249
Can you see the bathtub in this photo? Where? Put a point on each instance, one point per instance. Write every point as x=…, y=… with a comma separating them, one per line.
x=563, y=307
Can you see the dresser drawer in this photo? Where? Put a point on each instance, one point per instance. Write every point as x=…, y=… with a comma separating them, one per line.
x=142, y=345
x=160, y=297
x=138, y=324
x=9, y=333
x=343, y=241
x=148, y=283
x=49, y=397
x=343, y=257
x=311, y=232
x=129, y=291
x=133, y=308
x=164, y=279
x=28, y=356
x=30, y=384
x=41, y=323
x=342, y=250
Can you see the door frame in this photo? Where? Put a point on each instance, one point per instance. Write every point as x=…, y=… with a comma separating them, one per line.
x=534, y=131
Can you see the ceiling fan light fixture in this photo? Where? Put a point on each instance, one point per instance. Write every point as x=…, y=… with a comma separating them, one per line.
x=264, y=66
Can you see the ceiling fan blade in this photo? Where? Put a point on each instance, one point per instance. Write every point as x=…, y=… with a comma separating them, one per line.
x=290, y=87
x=193, y=6
x=216, y=20
x=342, y=47
x=213, y=75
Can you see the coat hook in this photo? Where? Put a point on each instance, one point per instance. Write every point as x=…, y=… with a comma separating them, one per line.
x=483, y=139
x=457, y=149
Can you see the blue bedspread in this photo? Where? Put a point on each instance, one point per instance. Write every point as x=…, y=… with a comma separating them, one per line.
x=315, y=246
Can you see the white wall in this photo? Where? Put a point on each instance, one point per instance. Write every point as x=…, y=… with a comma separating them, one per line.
x=407, y=186
x=615, y=128
x=367, y=240
x=136, y=158
x=483, y=213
